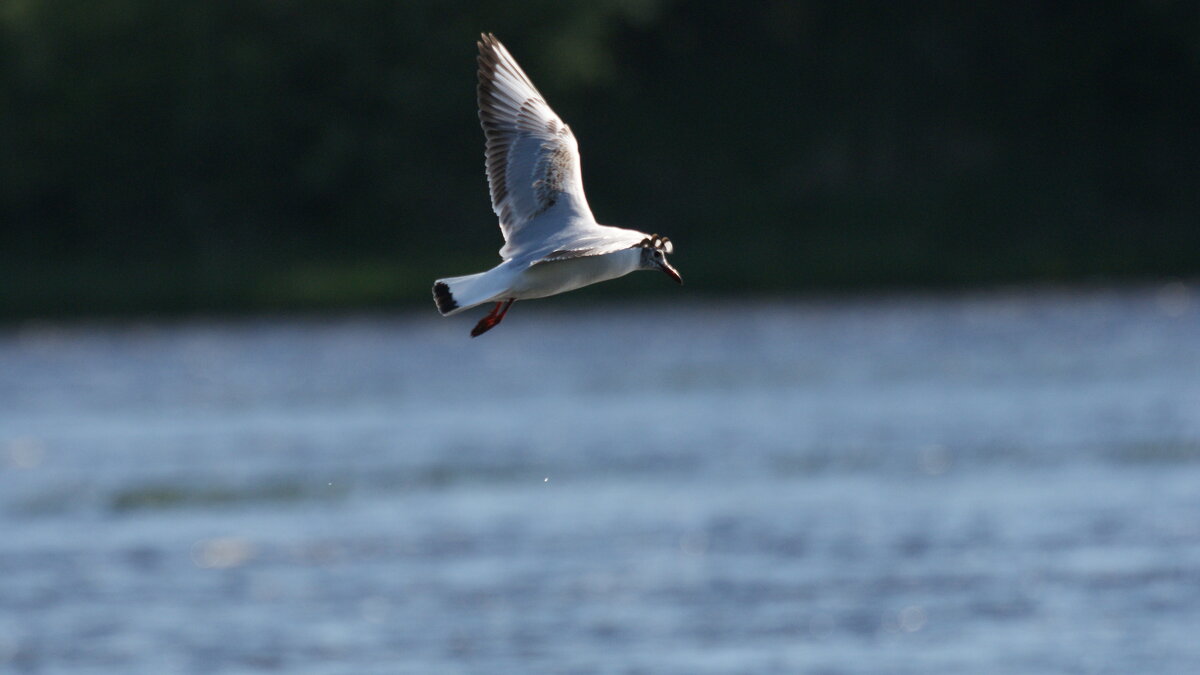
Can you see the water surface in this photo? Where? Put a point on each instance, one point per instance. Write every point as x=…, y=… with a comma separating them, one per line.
x=995, y=483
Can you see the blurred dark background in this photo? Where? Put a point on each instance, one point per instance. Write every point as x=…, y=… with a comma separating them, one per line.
x=263, y=154
x=830, y=476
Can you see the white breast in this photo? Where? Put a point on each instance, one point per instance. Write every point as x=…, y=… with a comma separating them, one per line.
x=550, y=278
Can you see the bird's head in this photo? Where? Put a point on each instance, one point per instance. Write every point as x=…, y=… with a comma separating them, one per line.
x=654, y=256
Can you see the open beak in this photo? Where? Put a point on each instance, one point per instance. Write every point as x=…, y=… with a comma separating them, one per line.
x=671, y=272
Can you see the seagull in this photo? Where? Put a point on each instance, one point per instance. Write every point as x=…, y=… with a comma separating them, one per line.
x=552, y=242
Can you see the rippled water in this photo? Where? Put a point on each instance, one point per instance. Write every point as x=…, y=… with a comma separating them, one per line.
x=1000, y=483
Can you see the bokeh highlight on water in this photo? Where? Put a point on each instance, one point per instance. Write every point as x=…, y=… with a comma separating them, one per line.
x=1006, y=482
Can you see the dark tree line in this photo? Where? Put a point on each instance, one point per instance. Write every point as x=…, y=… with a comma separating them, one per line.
x=261, y=153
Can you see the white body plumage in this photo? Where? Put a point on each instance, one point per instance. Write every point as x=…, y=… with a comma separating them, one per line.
x=553, y=244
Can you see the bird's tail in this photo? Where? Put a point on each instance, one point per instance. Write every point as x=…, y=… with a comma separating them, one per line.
x=455, y=294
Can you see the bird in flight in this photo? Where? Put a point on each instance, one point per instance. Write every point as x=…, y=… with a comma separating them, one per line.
x=552, y=243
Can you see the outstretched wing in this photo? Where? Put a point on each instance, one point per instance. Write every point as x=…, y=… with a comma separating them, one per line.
x=532, y=156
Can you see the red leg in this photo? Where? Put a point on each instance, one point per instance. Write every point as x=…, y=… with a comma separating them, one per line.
x=494, y=317
x=505, y=310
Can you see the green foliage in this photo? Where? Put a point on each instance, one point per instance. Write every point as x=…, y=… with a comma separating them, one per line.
x=263, y=153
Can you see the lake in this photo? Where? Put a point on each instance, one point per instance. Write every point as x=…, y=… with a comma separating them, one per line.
x=998, y=482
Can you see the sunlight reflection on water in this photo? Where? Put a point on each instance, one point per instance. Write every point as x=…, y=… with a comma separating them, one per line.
x=997, y=483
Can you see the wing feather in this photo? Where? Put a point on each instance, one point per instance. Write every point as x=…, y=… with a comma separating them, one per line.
x=602, y=240
x=532, y=158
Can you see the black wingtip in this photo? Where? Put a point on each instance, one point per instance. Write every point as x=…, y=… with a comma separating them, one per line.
x=444, y=298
